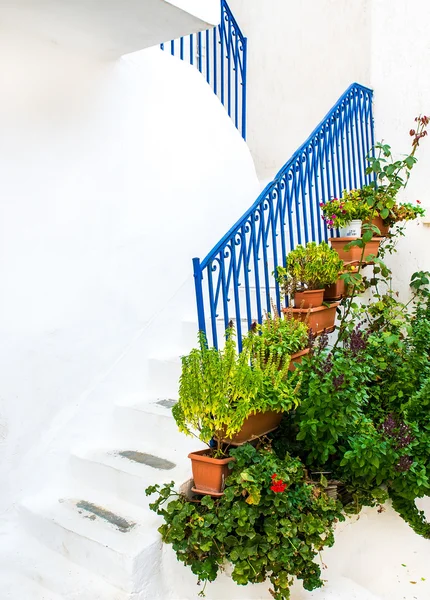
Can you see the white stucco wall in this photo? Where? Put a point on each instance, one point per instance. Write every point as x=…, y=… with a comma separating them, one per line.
x=400, y=62
x=302, y=56
x=113, y=176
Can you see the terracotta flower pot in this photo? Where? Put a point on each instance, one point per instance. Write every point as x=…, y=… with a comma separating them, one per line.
x=354, y=253
x=209, y=474
x=309, y=298
x=318, y=319
x=297, y=357
x=335, y=291
x=255, y=426
x=384, y=229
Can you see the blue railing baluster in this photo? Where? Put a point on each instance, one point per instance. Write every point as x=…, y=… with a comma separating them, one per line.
x=309, y=167
x=236, y=82
x=229, y=45
x=342, y=126
x=244, y=84
x=215, y=56
x=208, y=61
x=363, y=143
x=228, y=63
x=353, y=145
x=198, y=279
x=199, y=51
x=191, y=49
x=286, y=213
x=212, y=304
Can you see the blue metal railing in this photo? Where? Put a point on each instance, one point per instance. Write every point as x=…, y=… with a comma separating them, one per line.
x=220, y=54
x=235, y=280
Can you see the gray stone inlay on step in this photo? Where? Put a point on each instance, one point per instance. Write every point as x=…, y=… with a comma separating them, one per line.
x=148, y=459
x=168, y=403
x=98, y=511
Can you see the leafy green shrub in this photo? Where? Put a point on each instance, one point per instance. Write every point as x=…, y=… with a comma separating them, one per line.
x=270, y=523
x=280, y=336
x=309, y=267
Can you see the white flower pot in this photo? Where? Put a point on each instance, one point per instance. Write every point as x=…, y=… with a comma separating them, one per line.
x=352, y=229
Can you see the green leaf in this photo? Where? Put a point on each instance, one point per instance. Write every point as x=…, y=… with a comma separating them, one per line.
x=367, y=236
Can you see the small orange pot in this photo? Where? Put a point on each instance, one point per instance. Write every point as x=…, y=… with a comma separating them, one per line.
x=318, y=319
x=335, y=291
x=209, y=473
x=297, y=357
x=354, y=253
x=309, y=298
x=255, y=426
x=379, y=222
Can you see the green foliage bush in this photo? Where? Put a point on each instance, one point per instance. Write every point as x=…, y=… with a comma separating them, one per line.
x=270, y=524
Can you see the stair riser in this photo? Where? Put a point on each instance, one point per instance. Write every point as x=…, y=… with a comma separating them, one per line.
x=125, y=572
x=163, y=377
x=136, y=426
x=126, y=486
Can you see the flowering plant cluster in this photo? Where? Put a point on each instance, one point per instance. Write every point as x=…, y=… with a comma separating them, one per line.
x=405, y=212
x=338, y=212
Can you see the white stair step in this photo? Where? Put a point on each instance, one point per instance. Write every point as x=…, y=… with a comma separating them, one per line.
x=151, y=422
x=117, y=541
x=163, y=374
x=125, y=473
x=15, y=586
x=63, y=578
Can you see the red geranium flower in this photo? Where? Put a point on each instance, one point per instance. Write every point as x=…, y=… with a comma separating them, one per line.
x=278, y=487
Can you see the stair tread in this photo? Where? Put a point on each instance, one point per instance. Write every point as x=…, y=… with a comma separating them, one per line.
x=123, y=527
x=161, y=464
x=60, y=576
x=15, y=586
x=157, y=406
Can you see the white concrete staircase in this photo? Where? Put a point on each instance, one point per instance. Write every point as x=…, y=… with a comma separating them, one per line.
x=95, y=537
x=100, y=529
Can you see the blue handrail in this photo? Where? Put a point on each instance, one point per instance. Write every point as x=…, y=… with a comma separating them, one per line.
x=220, y=54
x=235, y=280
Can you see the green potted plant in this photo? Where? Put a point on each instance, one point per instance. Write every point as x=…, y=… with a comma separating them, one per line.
x=308, y=270
x=286, y=337
x=270, y=524
x=230, y=398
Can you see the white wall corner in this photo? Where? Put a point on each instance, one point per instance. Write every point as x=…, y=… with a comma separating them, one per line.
x=205, y=10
